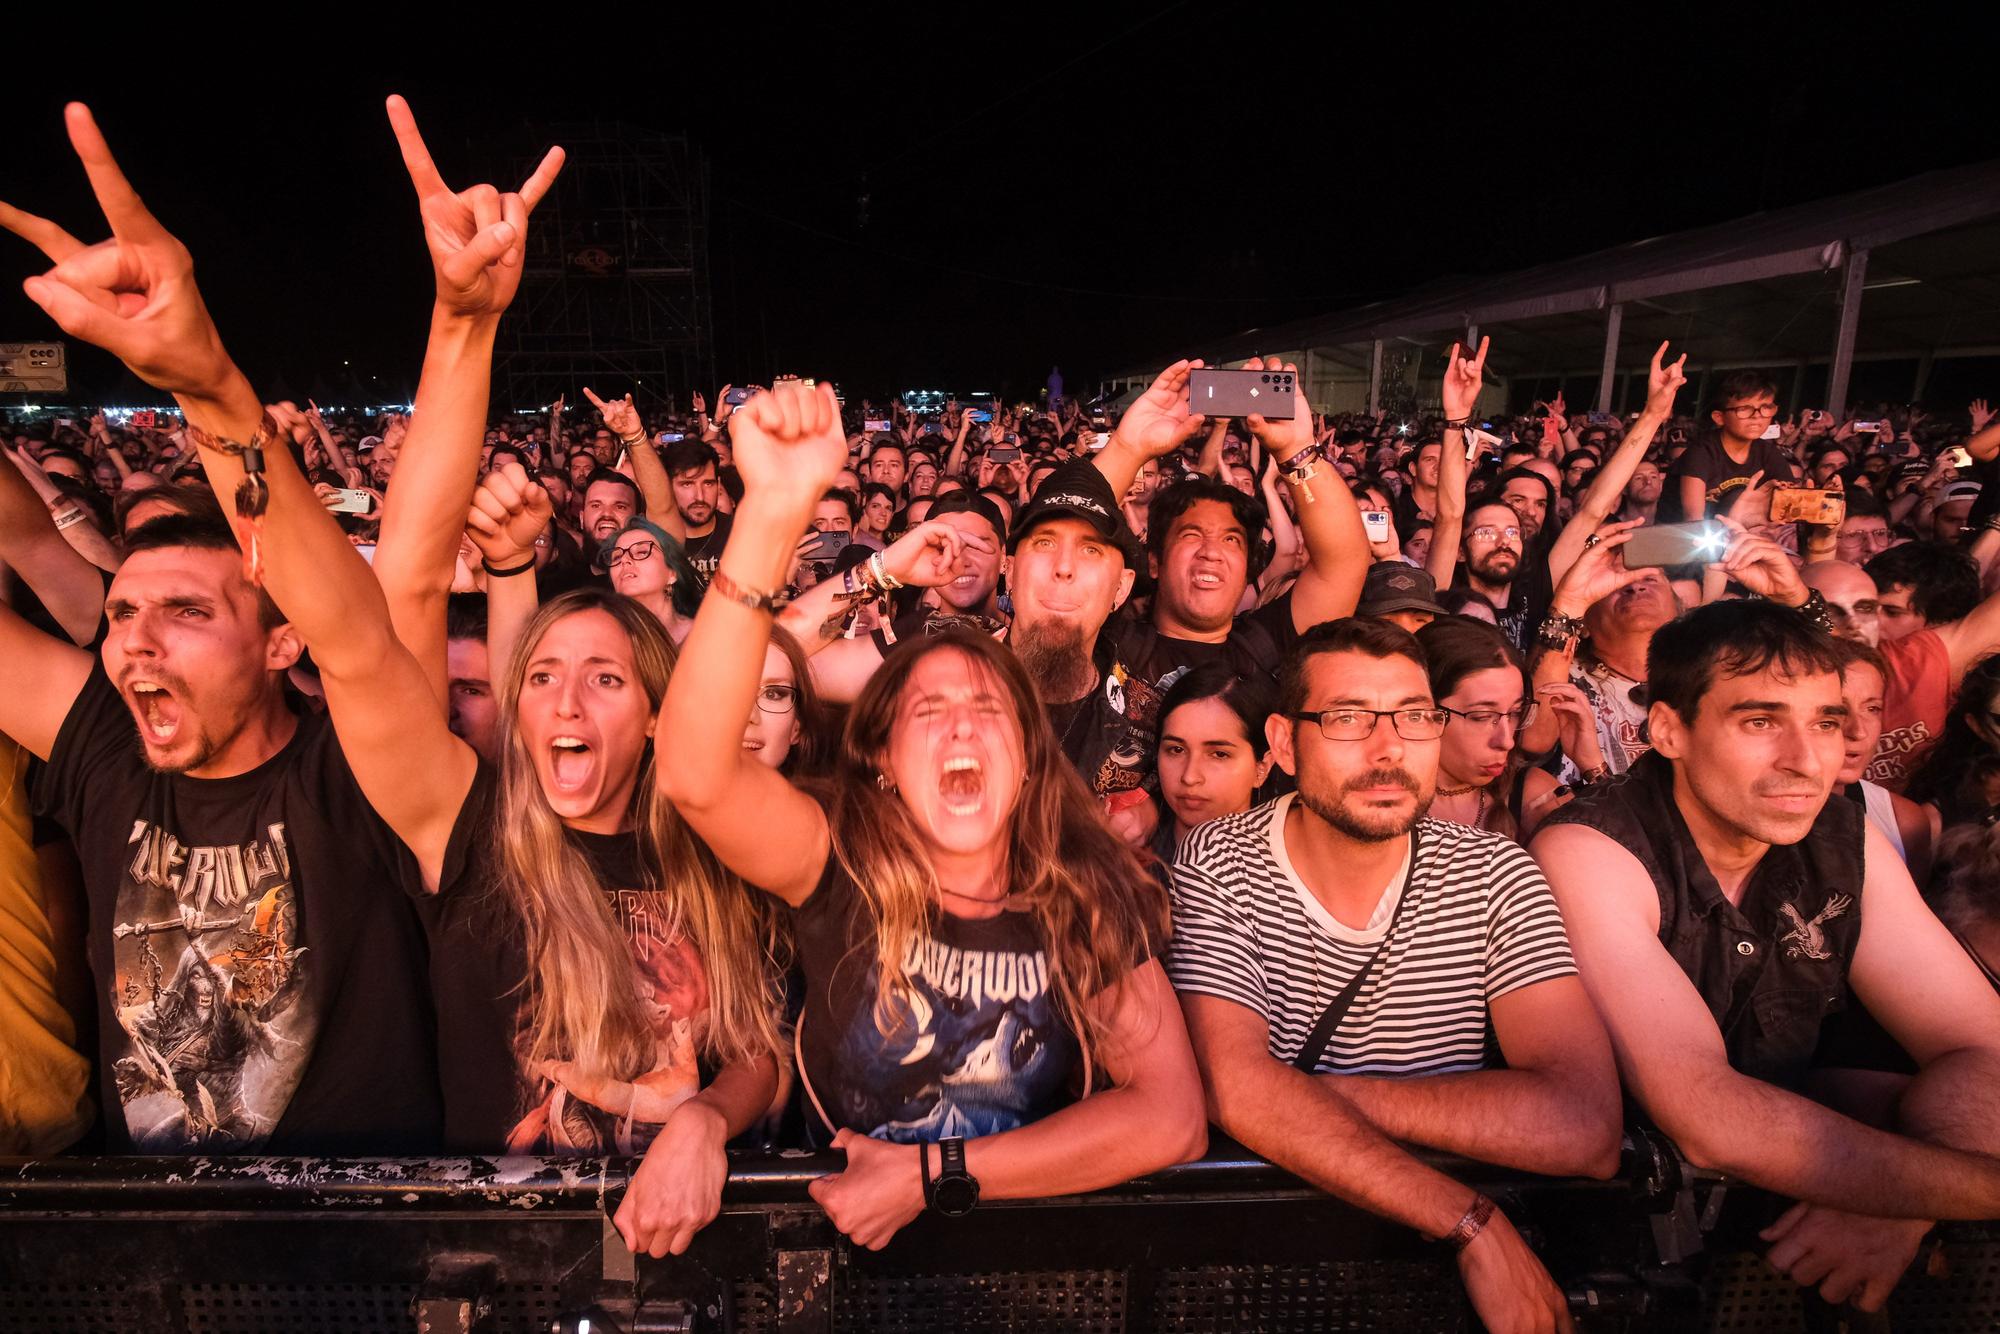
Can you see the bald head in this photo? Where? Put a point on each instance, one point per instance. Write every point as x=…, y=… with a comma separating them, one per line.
x=1850, y=594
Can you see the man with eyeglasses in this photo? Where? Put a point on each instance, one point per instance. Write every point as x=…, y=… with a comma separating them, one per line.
x=1341, y=959
x=1713, y=469
x=1494, y=540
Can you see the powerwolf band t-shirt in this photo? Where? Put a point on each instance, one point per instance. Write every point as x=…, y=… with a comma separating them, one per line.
x=979, y=1047
x=260, y=976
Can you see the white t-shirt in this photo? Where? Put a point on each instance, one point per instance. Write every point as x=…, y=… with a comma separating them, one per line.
x=1480, y=922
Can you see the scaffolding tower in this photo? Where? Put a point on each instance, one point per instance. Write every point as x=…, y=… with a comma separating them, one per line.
x=614, y=288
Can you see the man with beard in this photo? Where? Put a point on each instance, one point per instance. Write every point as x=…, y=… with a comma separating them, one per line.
x=691, y=471
x=967, y=588
x=1722, y=908
x=1341, y=960
x=1070, y=564
x=1202, y=541
x=1642, y=492
x=1494, y=540
x=610, y=500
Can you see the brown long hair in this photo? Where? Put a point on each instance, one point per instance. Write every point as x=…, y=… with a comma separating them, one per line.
x=1454, y=648
x=1097, y=910
x=582, y=1005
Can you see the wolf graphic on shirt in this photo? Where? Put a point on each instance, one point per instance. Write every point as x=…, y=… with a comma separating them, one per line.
x=208, y=974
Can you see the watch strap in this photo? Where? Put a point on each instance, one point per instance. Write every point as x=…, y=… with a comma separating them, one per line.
x=951, y=1157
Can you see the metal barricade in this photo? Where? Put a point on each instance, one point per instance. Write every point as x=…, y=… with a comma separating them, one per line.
x=257, y=1245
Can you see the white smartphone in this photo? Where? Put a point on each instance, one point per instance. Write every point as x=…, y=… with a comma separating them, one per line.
x=1376, y=524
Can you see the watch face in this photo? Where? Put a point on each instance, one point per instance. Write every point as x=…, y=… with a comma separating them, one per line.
x=955, y=1195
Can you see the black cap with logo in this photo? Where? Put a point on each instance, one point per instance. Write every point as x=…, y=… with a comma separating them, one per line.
x=1077, y=490
x=1392, y=585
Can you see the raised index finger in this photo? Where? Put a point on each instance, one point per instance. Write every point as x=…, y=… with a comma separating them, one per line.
x=121, y=204
x=416, y=157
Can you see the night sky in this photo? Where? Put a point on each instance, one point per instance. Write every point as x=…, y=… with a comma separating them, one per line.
x=1041, y=188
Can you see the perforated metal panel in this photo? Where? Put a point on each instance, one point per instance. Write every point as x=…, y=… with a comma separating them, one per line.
x=754, y=1304
x=1079, y=1301
x=1743, y=1293
x=1408, y=1298
x=333, y=1308
x=76, y=1308
x=1965, y=1301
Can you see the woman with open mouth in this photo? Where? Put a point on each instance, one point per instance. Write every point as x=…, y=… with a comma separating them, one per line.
x=979, y=951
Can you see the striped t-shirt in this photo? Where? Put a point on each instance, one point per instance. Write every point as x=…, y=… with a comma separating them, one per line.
x=1479, y=923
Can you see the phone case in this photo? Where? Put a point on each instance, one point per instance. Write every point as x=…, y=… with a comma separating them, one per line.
x=1808, y=505
x=1240, y=393
x=1674, y=544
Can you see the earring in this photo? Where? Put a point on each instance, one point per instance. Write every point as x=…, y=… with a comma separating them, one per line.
x=885, y=783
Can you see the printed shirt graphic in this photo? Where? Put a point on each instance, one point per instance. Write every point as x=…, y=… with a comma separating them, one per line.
x=1621, y=720
x=578, y=1113
x=206, y=979
x=1915, y=706
x=260, y=979
x=978, y=1048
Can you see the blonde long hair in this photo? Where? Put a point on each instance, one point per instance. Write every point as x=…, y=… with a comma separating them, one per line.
x=582, y=1006
x=1098, y=911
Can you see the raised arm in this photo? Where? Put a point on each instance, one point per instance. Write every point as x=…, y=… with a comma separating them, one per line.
x=648, y=473
x=509, y=511
x=788, y=447
x=1674, y=1063
x=1663, y=381
x=924, y=557
x=135, y=296
x=1463, y=378
x=68, y=584
x=476, y=239
x=1337, y=557
x=1157, y=424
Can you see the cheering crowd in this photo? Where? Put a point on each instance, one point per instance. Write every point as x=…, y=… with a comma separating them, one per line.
x=1001, y=798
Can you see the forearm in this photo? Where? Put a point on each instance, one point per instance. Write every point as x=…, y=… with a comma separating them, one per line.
x=814, y=617
x=60, y=576
x=715, y=680
x=80, y=535
x=1694, y=499
x=1955, y=1102
x=1795, y=1147
x=1294, y=1121
x=1107, y=1138
x=436, y=472
x=650, y=476
x=1985, y=443
x=1449, y=521
x=1210, y=463
x=740, y=1093
x=314, y=575
x=1120, y=462
x=1556, y=1122
x=511, y=602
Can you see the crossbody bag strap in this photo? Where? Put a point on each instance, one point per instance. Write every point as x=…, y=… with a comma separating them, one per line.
x=1336, y=1009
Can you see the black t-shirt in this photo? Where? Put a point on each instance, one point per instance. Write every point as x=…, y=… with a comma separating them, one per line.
x=706, y=552
x=1256, y=645
x=1722, y=475
x=262, y=980
x=478, y=970
x=986, y=1049
x=1108, y=735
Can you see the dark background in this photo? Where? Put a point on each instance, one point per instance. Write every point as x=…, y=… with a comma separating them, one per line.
x=903, y=195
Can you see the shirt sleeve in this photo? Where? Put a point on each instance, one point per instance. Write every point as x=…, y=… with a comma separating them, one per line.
x=1525, y=939
x=1214, y=947
x=98, y=731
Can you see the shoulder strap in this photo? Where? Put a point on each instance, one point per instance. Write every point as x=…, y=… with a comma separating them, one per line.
x=1336, y=1009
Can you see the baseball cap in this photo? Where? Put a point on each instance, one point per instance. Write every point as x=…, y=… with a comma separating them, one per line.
x=1077, y=490
x=969, y=502
x=1391, y=585
x=368, y=442
x=1961, y=491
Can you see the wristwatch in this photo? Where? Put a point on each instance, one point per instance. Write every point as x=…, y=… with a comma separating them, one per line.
x=953, y=1191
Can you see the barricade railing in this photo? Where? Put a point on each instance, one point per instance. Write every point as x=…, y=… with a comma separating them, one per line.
x=217, y=1245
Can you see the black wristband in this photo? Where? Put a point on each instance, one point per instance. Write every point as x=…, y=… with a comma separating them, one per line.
x=504, y=572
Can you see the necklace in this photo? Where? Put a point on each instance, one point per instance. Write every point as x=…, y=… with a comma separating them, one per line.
x=1478, y=820
x=1457, y=791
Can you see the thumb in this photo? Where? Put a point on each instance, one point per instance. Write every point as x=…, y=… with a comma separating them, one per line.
x=76, y=314
x=485, y=249
x=1786, y=1222
x=843, y=1139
